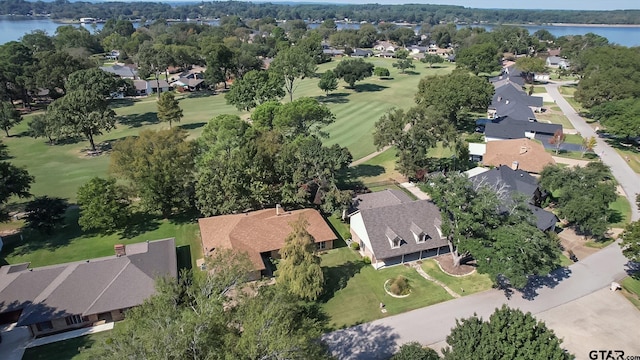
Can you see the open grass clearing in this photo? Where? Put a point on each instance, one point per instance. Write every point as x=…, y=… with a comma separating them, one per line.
x=71, y=244
x=463, y=285
x=565, y=261
x=67, y=349
x=573, y=139
x=355, y=290
x=381, y=168
x=628, y=152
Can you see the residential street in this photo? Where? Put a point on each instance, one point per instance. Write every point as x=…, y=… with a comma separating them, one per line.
x=628, y=179
x=564, y=288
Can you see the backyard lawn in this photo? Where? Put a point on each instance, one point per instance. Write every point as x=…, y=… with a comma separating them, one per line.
x=464, y=285
x=555, y=118
x=65, y=350
x=70, y=244
x=621, y=212
x=355, y=290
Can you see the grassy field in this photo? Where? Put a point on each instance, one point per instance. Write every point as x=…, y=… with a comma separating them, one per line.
x=629, y=153
x=65, y=350
x=465, y=285
x=355, y=290
x=70, y=244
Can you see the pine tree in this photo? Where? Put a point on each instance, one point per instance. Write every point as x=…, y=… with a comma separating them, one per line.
x=299, y=269
x=169, y=108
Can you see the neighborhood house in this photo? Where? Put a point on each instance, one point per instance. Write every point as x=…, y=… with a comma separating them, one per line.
x=392, y=229
x=57, y=298
x=261, y=234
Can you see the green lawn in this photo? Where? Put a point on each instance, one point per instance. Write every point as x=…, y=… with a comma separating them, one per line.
x=631, y=291
x=555, y=119
x=381, y=168
x=621, y=212
x=65, y=350
x=355, y=290
x=565, y=261
x=465, y=285
x=70, y=244
x=573, y=139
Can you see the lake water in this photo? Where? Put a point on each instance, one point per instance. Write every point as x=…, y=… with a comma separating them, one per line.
x=13, y=29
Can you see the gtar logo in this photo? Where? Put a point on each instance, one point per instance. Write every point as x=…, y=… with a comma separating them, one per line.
x=606, y=355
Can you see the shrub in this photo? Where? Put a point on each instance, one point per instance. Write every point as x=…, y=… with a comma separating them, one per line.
x=381, y=72
x=400, y=286
x=355, y=246
x=366, y=260
x=475, y=138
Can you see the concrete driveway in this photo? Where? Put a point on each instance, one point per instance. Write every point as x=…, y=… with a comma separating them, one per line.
x=14, y=341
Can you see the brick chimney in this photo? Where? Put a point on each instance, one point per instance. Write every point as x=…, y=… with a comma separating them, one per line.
x=119, y=250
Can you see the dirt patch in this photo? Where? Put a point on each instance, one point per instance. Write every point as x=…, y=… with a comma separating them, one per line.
x=446, y=264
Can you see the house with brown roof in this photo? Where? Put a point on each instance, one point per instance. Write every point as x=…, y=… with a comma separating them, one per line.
x=261, y=234
x=524, y=154
x=57, y=298
x=393, y=229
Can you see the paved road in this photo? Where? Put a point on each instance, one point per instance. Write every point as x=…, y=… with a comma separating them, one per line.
x=431, y=325
x=628, y=179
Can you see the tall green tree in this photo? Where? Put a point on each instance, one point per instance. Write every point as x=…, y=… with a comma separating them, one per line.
x=293, y=64
x=44, y=213
x=220, y=62
x=54, y=68
x=159, y=165
x=479, y=58
x=42, y=126
x=455, y=94
x=299, y=269
x=16, y=61
x=328, y=82
x=404, y=62
x=415, y=351
x=153, y=60
x=507, y=334
x=352, y=70
x=104, y=205
x=169, y=108
x=621, y=117
x=631, y=241
x=82, y=113
x=303, y=116
x=14, y=181
x=93, y=80
x=432, y=59
x=530, y=66
x=9, y=116
x=254, y=88
x=584, y=195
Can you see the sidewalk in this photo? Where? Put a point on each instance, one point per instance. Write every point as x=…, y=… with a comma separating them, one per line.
x=412, y=188
x=70, y=335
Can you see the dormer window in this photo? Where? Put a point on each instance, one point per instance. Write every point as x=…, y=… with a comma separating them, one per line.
x=418, y=234
x=394, y=240
x=437, y=223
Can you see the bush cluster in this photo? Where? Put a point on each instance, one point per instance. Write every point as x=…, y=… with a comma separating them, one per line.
x=400, y=286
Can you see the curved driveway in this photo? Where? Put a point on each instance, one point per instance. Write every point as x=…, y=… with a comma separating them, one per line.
x=431, y=325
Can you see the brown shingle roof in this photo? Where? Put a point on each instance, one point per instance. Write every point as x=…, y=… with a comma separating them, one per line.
x=530, y=155
x=258, y=231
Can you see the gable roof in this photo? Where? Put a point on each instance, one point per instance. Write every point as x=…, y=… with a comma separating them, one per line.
x=122, y=71
x=140, y=84
x=154, y=84
x=554, y=60
x=518, y=181
x=513, y=109
x=515, y=129
x=513, y=92
x=86, y=287
x=530, y=155
x=259, y=231
x=399, y=220
x=193, y=82
x=379, y=199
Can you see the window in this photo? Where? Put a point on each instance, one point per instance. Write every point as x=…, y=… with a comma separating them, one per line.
x=74, y=319
x=321, y=245
x=396, y=243
x=45, y=325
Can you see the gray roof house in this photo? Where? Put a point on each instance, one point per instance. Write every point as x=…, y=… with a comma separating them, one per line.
x=398, y=230
x=505, y=128
x=62, y=297
x=519, y=181
x=124, y=72
x=514, y=92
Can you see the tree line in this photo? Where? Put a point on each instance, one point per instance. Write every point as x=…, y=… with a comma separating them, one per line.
x=415, y=13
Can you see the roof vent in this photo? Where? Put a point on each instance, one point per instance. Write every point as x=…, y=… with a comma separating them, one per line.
x=523, y=149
